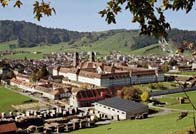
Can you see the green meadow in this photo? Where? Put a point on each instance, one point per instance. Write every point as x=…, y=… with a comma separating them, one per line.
x=172, y=101
x=100, y=47
x=166, y=124
x=9, y=98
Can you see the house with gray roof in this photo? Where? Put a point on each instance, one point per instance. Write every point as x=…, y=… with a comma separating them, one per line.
x=120, y=109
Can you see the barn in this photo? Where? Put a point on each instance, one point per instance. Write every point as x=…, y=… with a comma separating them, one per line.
x=120, y=109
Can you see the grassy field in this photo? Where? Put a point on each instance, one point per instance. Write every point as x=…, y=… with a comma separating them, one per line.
x=46, y=49
x=157, y=125
x=157, y=86
x=64, y=47
x=5, y=45
x=185, y=73
x=173, y=103
x=152, y=49
x=23, y=55
x=8, y=98
x=102, y=47
x=99, y=46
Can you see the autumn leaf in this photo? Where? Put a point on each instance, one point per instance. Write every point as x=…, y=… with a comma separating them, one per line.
x=41, y=9
x=4, y=3
x=18, y=4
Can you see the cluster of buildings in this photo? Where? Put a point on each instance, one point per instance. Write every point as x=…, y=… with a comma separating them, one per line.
x=81, y=82
x=74, y=77
x=60, y=120
x=12, y=52
x=45, y=121
x=50, y=90
x=107, y=75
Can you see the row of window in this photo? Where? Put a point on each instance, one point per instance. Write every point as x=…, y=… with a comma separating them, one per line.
x=110, y=108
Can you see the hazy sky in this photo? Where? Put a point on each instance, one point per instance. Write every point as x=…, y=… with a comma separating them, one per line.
x=82, y=15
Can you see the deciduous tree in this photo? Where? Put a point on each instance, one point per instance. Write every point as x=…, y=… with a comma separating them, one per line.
x=148, y=13
x=40, y=9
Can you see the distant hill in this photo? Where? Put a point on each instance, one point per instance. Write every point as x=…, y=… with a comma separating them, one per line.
x=31, y=35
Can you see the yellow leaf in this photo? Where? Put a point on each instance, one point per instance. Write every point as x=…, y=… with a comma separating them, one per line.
x=18, y=4
x=144, y=96
x=4, y=2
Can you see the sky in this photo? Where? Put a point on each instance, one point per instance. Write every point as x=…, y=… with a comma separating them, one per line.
x=82, y=15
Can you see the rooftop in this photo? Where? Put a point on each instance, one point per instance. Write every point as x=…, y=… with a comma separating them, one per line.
x=122, y=104
x=5, y=128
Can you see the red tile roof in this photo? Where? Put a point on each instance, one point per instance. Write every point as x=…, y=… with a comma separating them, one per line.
x=116, y=75
x=143, y=72
x=8, y=128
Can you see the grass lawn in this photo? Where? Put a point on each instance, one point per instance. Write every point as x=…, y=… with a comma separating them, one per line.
x=157, y=86
x=186, y=73
x=8, y=98
x=100, y=47
x=173, y=103
x=166, y=124
x=23, y=55
x=5, y=45
x=45, y=49
x=152, y=49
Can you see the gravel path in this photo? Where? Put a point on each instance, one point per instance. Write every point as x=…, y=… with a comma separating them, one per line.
x=165, y=111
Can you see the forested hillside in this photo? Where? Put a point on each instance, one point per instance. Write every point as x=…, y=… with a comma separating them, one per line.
x=30, y=35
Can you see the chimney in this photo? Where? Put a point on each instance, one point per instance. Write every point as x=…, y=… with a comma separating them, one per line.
x=112, y=68
x=92, y=56
x=76, y=59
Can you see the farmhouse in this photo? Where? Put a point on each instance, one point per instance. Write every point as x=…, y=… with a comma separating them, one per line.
x=120, y=109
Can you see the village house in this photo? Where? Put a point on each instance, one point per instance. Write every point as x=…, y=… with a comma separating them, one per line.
x=120, y=109
x=22, y=77
x=56, y=78
x=50, y=91
x=85, y=97
x=194, y=66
